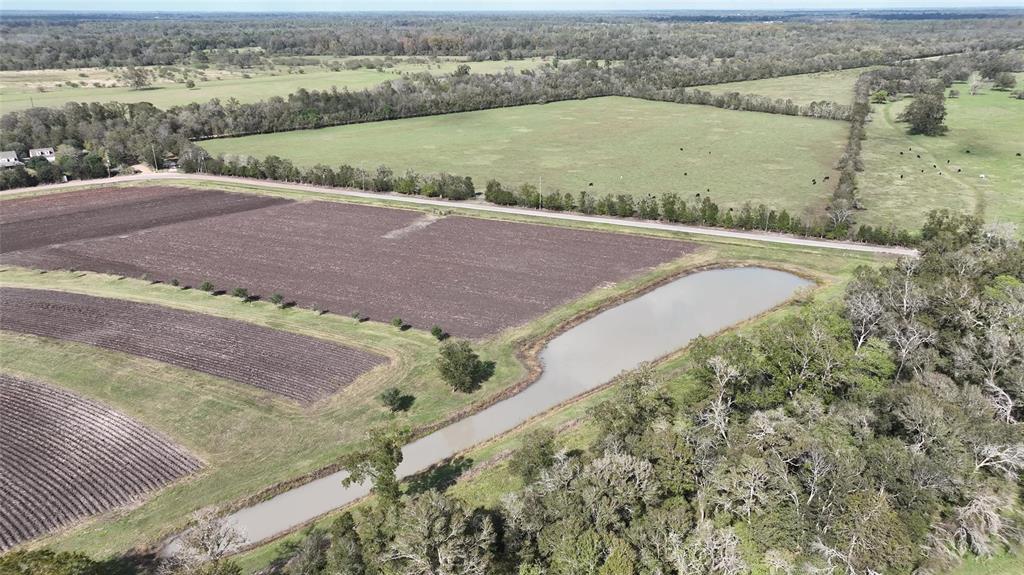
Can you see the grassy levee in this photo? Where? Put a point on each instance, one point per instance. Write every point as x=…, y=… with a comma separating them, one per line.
x=251, y=441
x=834, y=86
x=20, y=89
x=991, y=181
x=619, y=145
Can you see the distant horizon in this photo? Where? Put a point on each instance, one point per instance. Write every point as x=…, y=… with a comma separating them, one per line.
x=506, y=6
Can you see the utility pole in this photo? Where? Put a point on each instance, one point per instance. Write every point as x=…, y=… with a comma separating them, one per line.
x=152, y=148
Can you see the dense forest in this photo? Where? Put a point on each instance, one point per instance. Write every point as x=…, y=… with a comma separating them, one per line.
x=35, y=41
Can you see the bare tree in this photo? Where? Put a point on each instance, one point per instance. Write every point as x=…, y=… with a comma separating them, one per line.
x=710, y=550
x=716, y=415
x=209, y=539
x=865, y=311
x=1005, y=459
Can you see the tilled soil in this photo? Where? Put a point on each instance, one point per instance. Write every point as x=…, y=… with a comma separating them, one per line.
x=472, y=277
x=298, y=367
x=66, y=458
x=39, y=221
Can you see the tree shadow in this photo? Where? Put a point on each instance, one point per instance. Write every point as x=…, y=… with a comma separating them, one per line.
x=484, y=372
x=439, y=477
x=405, y=403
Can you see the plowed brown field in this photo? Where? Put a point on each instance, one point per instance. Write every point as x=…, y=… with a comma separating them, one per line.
x=298, y=367
x=470, y=276
x=66, y=458
x=50, y=219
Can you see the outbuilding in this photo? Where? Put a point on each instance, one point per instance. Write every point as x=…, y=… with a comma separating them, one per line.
x=47, y=153
x=9, y=159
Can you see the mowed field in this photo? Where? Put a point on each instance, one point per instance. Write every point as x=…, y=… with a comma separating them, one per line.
x=835, y=86
x=303, y=369
x=24, y=89
x=66, y=457
x=620, y=145
x=472, y=277
x=988, y=181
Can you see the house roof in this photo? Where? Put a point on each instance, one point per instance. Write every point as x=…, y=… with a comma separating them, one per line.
x=11, y=155
x=40, y=150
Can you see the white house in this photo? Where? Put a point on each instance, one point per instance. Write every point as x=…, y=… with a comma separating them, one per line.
x=9, y=159
x=47, y=153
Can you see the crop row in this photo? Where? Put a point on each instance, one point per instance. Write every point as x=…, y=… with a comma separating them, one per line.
x=66, y=458
x=301, y=368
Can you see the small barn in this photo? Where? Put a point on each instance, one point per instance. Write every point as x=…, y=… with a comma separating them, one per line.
x=47, y=153
x=9, y=159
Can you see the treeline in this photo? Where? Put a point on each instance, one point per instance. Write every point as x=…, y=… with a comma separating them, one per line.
x=128, y=133
x=878, y=434
x=34, y=41
x=383, y=179
x=699, y=209
x=747, y=102
x=916, y=77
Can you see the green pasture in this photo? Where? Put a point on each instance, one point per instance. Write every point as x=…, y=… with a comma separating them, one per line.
x=602, y=145
x=24, y=89
x=991, y=179
x=835, y=86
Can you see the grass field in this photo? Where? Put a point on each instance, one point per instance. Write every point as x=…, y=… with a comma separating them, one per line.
x=1000, y=565
x=621, y=145
x=834, y=86
x=990, y=125
x=20, y=89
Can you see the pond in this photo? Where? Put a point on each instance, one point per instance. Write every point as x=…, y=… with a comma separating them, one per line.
x=580, y=359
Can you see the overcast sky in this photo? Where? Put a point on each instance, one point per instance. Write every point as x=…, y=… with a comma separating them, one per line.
x=396, y=5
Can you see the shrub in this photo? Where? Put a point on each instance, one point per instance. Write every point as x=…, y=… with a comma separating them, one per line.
x=460, y=366
x=392, y=399
x=241, y=293
x=175, y=282
x=438, y=333
x=206, y=286
x=277, y=299
x=536, y=454
x=397, y=322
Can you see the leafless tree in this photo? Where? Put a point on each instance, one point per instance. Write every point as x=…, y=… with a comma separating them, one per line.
x=1005, y=459
x=208, y=539
x=709, y=550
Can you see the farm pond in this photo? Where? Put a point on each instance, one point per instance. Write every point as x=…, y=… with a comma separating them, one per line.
x=582, y=358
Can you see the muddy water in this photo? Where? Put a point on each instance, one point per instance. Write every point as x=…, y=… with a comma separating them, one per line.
x=576, y=361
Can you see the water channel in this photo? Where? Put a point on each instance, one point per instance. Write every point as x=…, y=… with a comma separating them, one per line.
x=578, y=360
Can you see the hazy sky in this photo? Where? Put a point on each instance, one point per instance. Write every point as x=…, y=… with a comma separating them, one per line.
x=375, y=5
